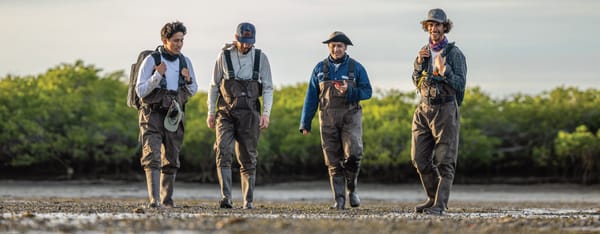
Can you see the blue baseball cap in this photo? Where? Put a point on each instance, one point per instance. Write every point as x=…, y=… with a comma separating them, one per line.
x=245, y=33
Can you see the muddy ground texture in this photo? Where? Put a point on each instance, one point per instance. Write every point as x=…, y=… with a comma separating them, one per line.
x=29, y=215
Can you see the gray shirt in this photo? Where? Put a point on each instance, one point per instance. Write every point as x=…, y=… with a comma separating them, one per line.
x=242, y=67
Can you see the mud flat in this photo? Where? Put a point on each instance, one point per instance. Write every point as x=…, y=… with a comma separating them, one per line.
x=33, y=207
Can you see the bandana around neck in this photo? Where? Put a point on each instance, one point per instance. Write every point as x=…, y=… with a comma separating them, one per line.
x=438, y=46
x=166, y=54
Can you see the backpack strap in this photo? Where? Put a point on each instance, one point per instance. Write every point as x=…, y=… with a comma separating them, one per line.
x=157, y=60
x=230, y=73
x=182, y=65
x=255, y=71
x=325, y=69
x=156, y=56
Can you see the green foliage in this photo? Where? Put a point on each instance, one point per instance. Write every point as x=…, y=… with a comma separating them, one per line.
x=478, y=143
x=583, y=148
x=387, y=121
x=75, y=121
x=531, y=123
x=69, y=116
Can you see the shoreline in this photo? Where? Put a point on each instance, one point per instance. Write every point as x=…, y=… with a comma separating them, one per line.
x=302, y=191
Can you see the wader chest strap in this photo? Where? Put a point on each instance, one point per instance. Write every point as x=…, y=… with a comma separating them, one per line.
x=255, y=71
x=227, y=54
x=351, y=75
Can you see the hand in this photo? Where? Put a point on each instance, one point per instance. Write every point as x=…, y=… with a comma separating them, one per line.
x=341, y=86
x=210, y=121
x=423, y=53
x=161, y=68
x=305, y=132
x=186, y=75
x=264, y=121
x=440, y=64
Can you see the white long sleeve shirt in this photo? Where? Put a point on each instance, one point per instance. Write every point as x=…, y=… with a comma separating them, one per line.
x=243, y=65
x=148, y=79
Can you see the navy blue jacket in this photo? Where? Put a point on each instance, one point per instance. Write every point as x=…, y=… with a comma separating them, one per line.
x=362, y=91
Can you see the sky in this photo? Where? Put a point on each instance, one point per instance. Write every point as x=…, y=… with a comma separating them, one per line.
x=511, y=46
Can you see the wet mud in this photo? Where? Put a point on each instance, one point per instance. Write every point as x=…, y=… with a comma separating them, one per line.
x=34, y=213
x=130, y=215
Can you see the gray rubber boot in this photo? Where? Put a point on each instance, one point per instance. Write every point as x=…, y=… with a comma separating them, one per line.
x=351, y=182
x=224, y=174
x=338, y=184
x=441, y=198
x=167, y=181
x=248, y=190
x=153, y=186
x=430, y=183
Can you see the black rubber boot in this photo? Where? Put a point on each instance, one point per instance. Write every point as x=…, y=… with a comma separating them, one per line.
x=248, y=190
x=224, y=174
x=167, y=181
x=441, y=198
x=339, y=191
x=351, y=182
x=152, y=183
x=430, y=183
x=225, y=203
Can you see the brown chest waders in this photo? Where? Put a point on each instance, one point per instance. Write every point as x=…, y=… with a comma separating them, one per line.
x=435, y=132
x=341, y=137
x=160, y=147
x=238, y=131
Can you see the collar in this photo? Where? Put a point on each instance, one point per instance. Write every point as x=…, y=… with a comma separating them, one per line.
x=338, y=61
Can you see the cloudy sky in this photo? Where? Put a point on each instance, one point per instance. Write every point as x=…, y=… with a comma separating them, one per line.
x=512, y=46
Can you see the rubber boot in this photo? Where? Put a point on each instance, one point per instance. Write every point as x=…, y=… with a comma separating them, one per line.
x=153, y=186
x=248, y=190
x=351, y=182
x=224, y=174
x=167, y=181
x=430, y=182
x=339, y=191
x=441, y=198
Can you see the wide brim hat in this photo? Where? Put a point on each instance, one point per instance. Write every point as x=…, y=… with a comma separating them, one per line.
x=173, y=117
x=436, y=15
x=338, y=37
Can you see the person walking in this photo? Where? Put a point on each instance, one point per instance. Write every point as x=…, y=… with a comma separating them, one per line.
x=241, y=75
x=165, y=83
x=440, y=71
x=336, y=86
